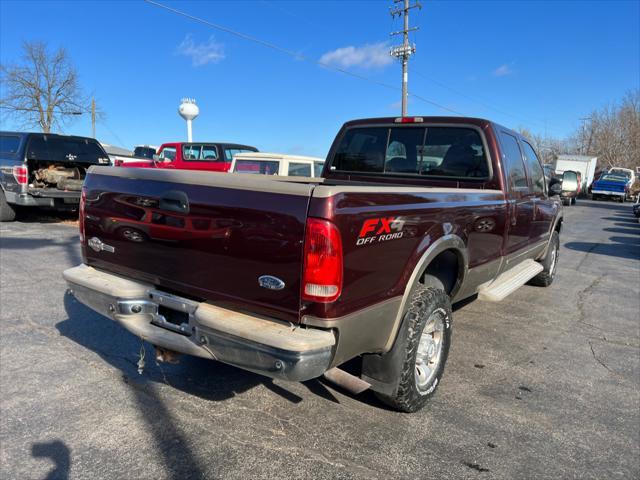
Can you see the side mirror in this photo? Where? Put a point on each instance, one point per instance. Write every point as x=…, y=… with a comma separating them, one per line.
x=555, y=189
x=155, y=157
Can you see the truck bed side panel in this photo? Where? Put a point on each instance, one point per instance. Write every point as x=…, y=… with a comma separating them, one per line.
x=385, y=234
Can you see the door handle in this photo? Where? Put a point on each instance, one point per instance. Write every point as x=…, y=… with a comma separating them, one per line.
x=174, y=201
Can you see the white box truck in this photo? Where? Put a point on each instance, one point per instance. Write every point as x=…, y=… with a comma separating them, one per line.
x=584, y=164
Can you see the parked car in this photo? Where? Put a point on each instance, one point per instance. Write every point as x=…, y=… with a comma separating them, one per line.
x=411, y=214
x=277, y=164
x=636, y=208
x=631, y=179
x=210, y=156
x=44, y=170
x=145, y=151
x=611, y=185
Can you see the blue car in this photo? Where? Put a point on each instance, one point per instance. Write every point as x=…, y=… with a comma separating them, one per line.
x=611, y=185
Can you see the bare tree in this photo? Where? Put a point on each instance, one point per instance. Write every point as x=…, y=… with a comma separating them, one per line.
x=612, y=133
x=43, y=90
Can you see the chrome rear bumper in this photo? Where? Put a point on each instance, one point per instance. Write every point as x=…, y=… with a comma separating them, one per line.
x=265, y=346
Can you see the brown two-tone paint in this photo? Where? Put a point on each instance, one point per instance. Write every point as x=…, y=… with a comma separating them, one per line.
x=233, y=230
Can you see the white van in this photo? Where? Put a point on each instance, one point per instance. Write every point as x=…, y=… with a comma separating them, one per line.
x=277, y=164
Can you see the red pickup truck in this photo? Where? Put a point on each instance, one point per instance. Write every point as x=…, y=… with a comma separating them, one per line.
x=293, y=277
x=209, y=156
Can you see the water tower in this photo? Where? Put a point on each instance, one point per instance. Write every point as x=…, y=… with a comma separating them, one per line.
x=188, y=110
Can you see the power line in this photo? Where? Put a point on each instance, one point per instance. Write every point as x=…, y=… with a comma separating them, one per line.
x=478, y=101
x=293, y=54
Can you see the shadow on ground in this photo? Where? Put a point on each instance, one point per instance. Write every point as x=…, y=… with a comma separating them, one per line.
x=206, y=379
x=59, y=453
x=35, y=215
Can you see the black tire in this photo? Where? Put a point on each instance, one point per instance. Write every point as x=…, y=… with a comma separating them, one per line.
x=566, y=202
x=7, y=212
x=428, y=306
x=549, y=263
x=574, y=200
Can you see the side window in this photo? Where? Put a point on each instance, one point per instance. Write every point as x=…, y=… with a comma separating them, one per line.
x=209, y=153
x=168, y=154
x=516, y=177
x=200, y=153
x=317, y=169
x=299, y=169
x=9, y=143
x=535, y=169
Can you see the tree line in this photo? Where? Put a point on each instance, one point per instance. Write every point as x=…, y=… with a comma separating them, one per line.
x=611, y=133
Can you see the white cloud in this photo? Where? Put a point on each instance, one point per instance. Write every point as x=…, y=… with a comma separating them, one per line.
x=201, y=53
x=370, y=55
x=503, y=70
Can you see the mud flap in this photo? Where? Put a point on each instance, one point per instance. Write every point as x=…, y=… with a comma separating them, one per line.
x=383, y=371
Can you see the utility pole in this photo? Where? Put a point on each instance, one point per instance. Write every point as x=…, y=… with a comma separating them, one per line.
x=93, y=116
x=405, y=50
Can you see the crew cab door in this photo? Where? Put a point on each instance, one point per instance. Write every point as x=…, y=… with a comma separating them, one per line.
x=519, y=197
x=543, y=207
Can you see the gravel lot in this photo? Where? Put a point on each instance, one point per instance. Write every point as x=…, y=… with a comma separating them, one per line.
x=545, y=384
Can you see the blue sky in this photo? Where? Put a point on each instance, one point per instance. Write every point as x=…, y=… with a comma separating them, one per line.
x=541, y=65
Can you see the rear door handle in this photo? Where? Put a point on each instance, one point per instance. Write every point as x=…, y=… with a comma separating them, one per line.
x=174, y=201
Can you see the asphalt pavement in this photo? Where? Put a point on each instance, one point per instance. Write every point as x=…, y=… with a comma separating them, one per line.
x=545, y=384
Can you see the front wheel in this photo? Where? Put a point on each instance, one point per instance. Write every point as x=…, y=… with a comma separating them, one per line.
x=549, y=263
x=425, y=349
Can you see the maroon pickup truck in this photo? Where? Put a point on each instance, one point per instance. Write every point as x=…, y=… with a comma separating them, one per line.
x=291, y=277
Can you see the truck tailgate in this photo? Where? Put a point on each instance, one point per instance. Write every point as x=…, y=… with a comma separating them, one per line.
x=208, y=235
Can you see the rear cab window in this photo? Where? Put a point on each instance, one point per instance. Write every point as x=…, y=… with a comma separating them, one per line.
x=263, y=167
x=448, y=152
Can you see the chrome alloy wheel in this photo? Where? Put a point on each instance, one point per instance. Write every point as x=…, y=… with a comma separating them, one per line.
x=554, y=258
x=429, y=354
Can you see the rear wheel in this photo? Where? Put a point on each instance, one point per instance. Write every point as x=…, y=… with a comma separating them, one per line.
x=425, y=349
x=574, y=200
x=7, y=212
x=549, y=263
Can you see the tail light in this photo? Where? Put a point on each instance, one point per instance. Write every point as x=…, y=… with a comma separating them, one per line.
x=83, y=199
x=322, y=273
x=21, y=174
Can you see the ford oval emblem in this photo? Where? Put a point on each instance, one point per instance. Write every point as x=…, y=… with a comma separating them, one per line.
x=270, y=282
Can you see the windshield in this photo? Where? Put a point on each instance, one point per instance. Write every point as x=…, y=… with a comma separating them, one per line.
x=425, y=151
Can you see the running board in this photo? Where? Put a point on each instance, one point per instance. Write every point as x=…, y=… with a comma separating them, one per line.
x=509, y=281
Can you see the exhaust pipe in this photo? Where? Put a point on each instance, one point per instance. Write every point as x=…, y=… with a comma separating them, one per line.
x=350, y=383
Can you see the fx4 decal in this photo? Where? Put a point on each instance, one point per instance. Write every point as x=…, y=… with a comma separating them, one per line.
x=380, y=229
